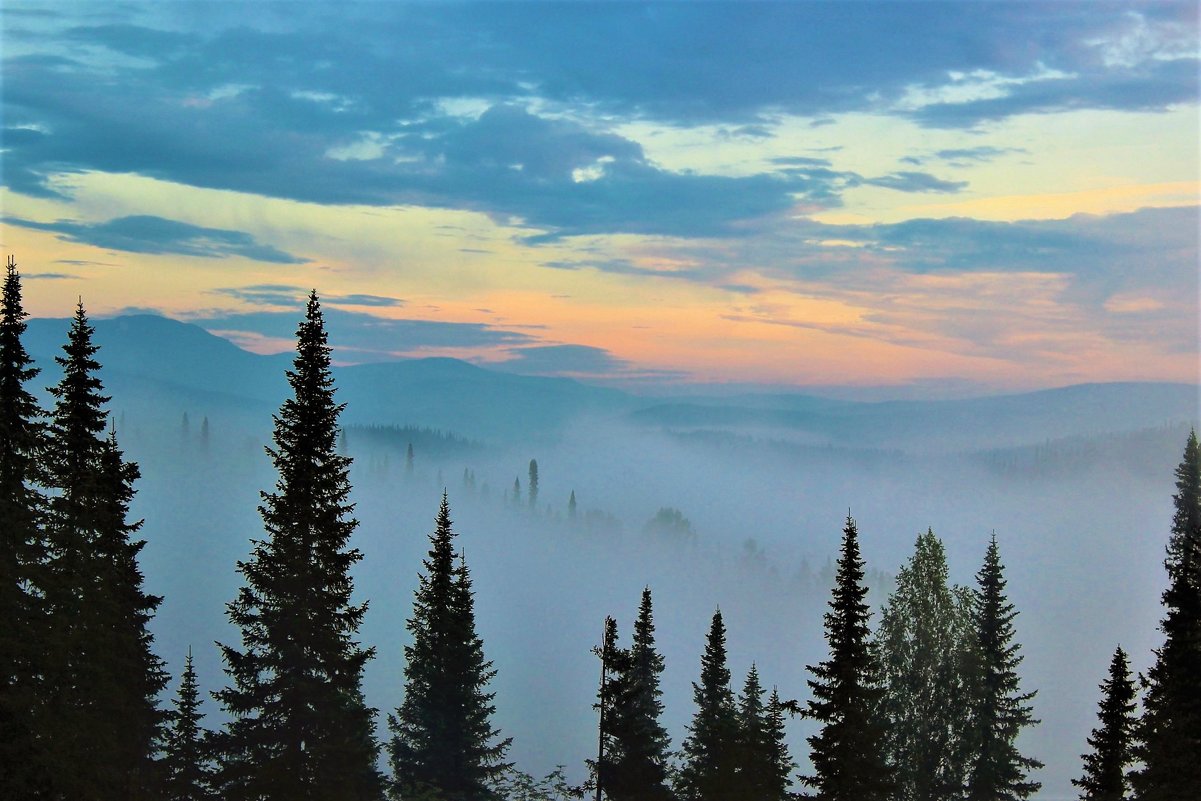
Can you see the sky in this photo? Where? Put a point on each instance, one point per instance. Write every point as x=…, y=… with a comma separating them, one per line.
x=932, y=197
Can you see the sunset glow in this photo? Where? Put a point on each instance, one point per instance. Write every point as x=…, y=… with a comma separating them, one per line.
x=806, y=194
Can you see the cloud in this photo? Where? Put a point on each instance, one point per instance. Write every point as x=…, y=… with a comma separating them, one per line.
x=982, y=153
x=359, y=299
x=916, y=182
x=800, y=161
x=964, y=156
x=357, y=336
x=49, y=277
x=619, y=267
x=510, y=109
x=158, y=235
x=582, y=362
x=85, y=263
x=562, y=360
x=289, y=296
x=1157, y=87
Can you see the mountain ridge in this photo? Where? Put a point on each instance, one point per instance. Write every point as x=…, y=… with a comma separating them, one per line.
x=182, y=365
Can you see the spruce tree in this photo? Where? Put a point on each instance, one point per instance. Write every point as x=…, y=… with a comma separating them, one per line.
x=997, y=770
x=1169, y=732
x=1106, y=765
x=848, y=752
x=103, y=680
x=924, y=640
x=638, y=742
x=779, y=766
x=299, y=727
x=443, y=743
x=615, y=663
x=764, y=764
x=533, y=490
x=755, y=760
x=710, y=769
x=22, y=555
x=187, y=764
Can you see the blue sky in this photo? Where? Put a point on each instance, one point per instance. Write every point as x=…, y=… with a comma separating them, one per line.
x=1001, y=194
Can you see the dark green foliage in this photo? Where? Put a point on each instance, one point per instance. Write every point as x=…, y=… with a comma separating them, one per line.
x=299, y=727
x=1169, y=733
x=1106, y=765
x=533, y=487
x=925, y=641
x=187, y=764
x=763, y=761
x=998, y=771
x=102, y=679
x=710, y=770
x=443, y=743
x=779, y=765
x=22, y=555
x=614, y=665
x=516, y=785
x=636, y=748
x=848, y=753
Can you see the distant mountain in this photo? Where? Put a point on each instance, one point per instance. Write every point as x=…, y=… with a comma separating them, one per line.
x=153, y=363
x=160, y=367
x=163, y=350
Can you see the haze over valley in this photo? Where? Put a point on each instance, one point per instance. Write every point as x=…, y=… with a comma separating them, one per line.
x=1076, y=483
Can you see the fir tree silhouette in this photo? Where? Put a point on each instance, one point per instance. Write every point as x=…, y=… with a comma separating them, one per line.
x=710, y=769
x=1106, y=765
x=1169, y=732
x=998, y=771
x=848, y=752
x=443, y=742
x=299, y=726
x=187, y=763
x=102, y=682
x=23, y=625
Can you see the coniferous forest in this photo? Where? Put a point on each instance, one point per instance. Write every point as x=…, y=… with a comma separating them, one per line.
x=920, y=692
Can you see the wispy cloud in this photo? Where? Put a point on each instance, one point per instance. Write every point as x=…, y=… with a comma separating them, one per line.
x=289, y=296
x=916, y=182
x=365, y=337
x=150, y=234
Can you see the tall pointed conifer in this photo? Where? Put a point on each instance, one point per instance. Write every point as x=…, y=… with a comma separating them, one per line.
x=103, y=680
x=848, y=752
x=443, y=743
x=779, y=766
x=187, y=763
x=1105, y=766
x=299, y=727
x=997, y=770
x=638, y=742
x=22, y=555
x=1169, y=733
x=755, y=760
x=710, y=770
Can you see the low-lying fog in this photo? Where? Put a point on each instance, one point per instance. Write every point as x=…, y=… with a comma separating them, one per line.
x=1081, y=525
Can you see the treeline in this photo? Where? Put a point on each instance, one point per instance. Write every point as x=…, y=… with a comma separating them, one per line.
x=926, y=706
